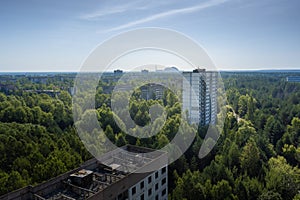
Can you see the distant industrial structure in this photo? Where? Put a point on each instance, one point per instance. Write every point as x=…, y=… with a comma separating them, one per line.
x=116, y=177
x=199, y=96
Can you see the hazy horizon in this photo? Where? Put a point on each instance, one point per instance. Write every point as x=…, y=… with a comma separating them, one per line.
x=221, y=70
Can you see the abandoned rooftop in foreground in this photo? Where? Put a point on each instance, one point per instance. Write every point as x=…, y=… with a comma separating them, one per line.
x=113, y=176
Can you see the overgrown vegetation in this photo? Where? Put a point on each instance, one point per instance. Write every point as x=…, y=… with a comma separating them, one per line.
x=258, y=154
x=256, y=157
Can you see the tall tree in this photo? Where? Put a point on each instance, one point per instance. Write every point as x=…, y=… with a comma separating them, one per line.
x=250, y=158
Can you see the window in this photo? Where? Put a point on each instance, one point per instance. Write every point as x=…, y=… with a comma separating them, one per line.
x=119, y=196
x=142, y=185
x=163, y=192
x=142, y=197
x=156, y=175
x=149, y=192
x=163, y=170
x=133, y=191
x=156, y=186
x=163, y=181
x=149, y=179
x=156, y=197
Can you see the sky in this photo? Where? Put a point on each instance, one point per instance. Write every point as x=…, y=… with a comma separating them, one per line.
x=58, y=35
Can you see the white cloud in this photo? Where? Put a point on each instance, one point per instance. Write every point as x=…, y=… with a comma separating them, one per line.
x=110, y=11
x=169, y=13
x=122, y=8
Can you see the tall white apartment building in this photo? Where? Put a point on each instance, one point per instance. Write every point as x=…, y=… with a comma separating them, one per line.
x=211, y=97
x=199, y=96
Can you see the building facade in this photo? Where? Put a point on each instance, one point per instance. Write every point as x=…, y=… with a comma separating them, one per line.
x=153, y=186
x=211, y=97
x=199, y=96
x=152, y=91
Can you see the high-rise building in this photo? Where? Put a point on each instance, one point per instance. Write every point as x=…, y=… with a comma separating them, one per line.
x=211, y=97
x=117, y=176
x=193, y=94
x=199, y=96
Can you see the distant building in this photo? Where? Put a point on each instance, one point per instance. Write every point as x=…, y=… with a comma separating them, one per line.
x=106, y=180
x=293, y=79
x=193, y=95
x=152, y=91
x=118, y=72
x=199, y=96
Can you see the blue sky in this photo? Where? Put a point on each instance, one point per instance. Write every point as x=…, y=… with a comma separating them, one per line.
x=53, y=35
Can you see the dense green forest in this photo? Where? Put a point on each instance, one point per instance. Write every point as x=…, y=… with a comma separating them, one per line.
x=258, y=154
x=256, y=157
x=37, y=140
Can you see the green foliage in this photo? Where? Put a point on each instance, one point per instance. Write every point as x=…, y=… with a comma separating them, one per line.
x=222, y=190
x=282, y=178
x=256, y=157
x=262, y=122
x=37, y=140
x=270, y=195
x=250, y=158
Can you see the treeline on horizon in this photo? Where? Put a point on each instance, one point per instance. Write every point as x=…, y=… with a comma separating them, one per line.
x=256, y=157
